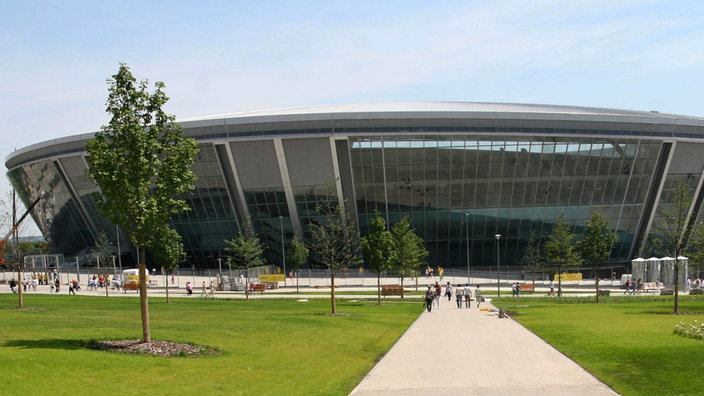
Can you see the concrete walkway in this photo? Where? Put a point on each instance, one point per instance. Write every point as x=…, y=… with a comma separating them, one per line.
x=473, y=352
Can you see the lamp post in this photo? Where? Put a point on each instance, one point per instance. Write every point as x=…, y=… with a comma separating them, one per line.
x=466, y=226
x=498, y=267
x=283, y=247
x=119, y=253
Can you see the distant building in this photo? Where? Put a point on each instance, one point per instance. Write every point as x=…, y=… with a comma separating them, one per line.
x=462, y=172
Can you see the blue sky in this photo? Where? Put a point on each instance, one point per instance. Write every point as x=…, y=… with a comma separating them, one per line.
x=225, y=56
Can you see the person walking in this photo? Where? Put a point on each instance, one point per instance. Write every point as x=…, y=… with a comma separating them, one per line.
x=448, y=291
x=203, y=292
x=429, y=297
x=189, y=288
x=459, y=295
x=438, y=293
x=467, y=296
x=478, y=297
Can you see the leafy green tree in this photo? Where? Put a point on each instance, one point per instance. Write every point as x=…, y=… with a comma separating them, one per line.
x=596, y=245
x=167, y=251
x=532, y=257
x=410, y=248
x=245, y=251
x=675, y=228
x=695, y=251
x=560, y=248
x=296, y=255
x=101, y=252
x=378, y=250
x=335, y=240
x=141, y=163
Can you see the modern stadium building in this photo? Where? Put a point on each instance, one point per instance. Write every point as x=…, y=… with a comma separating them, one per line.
x=463, y=173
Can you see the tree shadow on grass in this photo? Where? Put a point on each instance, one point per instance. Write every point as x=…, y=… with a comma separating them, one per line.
x=52, y=343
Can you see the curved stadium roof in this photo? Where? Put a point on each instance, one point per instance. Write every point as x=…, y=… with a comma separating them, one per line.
x=396, y=116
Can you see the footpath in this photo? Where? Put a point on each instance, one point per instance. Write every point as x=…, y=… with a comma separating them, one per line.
x=474, y=352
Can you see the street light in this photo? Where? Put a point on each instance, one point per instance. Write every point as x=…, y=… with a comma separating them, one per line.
x=283, y=247
x=466, y=223
x=498, y=267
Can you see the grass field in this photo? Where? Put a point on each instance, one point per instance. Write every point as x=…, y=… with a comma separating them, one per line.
x=268, y=346
x=626, y=342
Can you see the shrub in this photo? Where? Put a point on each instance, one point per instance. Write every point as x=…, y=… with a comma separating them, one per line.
x=667, y=292
x=696, y=291
x=694, y=330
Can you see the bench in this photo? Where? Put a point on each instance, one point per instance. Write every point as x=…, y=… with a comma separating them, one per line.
x=526, y=287
x=653, y=287
x=391, y=290
x=259, y=287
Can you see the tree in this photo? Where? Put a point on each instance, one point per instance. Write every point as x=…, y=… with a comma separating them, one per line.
x=378, y=250
x=532, y=257
x=141, y=164
x=245, y=250
x=596, y=245
x=675, y=228
x=559, y=248
x=167, y=251
x=335, y=240
x=695, y=251
x=296, y=255
x=409, y=247
x=102, y=251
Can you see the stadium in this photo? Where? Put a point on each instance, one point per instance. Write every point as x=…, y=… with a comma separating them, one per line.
x=475, y=179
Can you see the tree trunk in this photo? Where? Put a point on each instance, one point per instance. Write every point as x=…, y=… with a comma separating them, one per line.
x=167, y=289
x=596, y=282
x=677, y=286
x=19, y=288
x=143, y=301
x=332, y=292
x=378, y=287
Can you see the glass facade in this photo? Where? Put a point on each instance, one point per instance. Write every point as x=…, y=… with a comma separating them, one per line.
x=459, y=180
x=460, y=191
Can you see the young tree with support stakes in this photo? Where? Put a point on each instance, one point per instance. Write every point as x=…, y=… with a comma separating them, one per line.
x=167, y=251
x=410, y=249
x=596, y=245
x=532, y=258
x=246, y=251
x=335, y=240
x=560, y=249
x=296, y=255
x=676, y=229
x=141, y=163
x=378, y=250
x=102, y=251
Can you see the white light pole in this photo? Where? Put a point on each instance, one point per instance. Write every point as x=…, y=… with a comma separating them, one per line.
x=119, y=255
x=466, y=224
x=283, y=248
x=498, y=267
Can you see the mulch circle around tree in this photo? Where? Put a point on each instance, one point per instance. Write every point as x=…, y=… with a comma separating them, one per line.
x=154, y=348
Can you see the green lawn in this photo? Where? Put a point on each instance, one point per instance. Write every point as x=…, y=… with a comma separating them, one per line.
x=627, y=342
x=268, y=346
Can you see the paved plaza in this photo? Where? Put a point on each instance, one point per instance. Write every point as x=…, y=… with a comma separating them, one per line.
x=474, y=352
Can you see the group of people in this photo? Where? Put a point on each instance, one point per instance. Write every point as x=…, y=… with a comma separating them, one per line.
x=694, y=284
x=463, y=295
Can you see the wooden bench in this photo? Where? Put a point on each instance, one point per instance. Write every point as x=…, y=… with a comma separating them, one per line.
x=259, y=287
x=526, y=287
x=391, y=290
